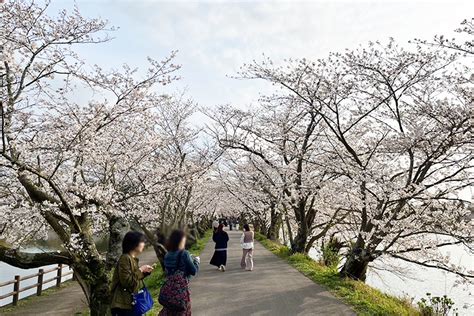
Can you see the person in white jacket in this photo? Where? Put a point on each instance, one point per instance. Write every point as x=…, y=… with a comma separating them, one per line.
x=246, y=241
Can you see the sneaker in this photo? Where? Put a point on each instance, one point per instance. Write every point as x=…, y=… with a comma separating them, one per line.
x=222, y=268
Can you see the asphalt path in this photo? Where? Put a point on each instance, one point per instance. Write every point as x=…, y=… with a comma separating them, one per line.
x=272, y=288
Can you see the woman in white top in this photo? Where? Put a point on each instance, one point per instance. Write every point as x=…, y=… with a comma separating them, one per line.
x=246, y=241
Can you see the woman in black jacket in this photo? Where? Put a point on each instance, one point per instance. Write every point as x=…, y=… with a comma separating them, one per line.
x=219, y=259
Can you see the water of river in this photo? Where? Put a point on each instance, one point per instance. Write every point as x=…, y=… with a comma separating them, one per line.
x=7, y=273
x=414, y=281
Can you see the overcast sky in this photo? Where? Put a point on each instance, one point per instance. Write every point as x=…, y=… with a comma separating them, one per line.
x=214, y=38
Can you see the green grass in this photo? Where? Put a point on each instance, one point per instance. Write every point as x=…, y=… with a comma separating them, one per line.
x=157, y=277
x=198, y=247
x=364, y=299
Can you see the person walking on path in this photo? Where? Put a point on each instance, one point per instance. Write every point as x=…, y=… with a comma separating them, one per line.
x=219, y=259
x=177, y=258
x=246, y=241
x=127, y=275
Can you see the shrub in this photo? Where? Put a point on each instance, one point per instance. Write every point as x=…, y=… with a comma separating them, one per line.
x=330, y=252
x=437, y=306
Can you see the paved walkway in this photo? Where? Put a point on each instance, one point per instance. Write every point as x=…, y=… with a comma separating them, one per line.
x=65, y=302
x=273, y=288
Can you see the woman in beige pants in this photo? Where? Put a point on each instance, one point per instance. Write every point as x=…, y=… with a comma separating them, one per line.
x=246, y=241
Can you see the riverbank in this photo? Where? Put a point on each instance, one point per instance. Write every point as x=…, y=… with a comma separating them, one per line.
x=29, y=280
x=33, y=299
x=65, y=301
x=364, y=299
x=70, y=300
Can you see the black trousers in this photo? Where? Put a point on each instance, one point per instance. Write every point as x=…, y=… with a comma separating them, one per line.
x=122, y=312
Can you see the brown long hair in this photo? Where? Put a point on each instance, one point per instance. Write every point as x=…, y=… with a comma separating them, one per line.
x=220, y=228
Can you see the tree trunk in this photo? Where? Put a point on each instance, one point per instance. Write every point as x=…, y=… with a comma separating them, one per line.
x=290, y=232
x=118, y=227
x=160, y=252
x=202, y=225
x=100, y=299
x=285, y=240
x=93, y=277
x=256, y=226
x=299, y=243
x=273, y=232
x=355, y=268
x=29, y=260
x=357, y=262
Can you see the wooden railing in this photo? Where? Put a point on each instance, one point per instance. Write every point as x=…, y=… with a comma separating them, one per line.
x=17, y=289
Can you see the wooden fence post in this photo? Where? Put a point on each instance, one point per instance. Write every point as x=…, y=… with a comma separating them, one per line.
x=39, y=289
x=59, y=275
x=16, y=290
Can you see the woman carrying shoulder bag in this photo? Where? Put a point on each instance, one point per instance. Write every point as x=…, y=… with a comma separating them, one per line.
x=128, y=275
x=179, y=267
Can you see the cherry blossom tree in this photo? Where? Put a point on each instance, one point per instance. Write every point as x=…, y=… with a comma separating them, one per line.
x=176, y=192
x=398, y=124
x=464, y=45
x=253, y=192
x=282, y=140
x=67, y=166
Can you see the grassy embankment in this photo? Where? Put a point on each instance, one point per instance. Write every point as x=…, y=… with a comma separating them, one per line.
x=364, y=299
x=156, y=279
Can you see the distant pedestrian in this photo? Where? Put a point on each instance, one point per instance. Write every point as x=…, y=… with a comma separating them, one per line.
x=215, y=224
x=179, y=267
x=219, y=259
x=247, y=243
x=127, y=276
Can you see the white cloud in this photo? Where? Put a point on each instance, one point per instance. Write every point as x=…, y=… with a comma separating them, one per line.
x=216, y=37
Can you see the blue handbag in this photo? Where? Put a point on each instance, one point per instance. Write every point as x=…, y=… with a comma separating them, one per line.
x=142, y=301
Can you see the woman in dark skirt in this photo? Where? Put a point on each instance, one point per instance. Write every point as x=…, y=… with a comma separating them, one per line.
x=219, y=259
